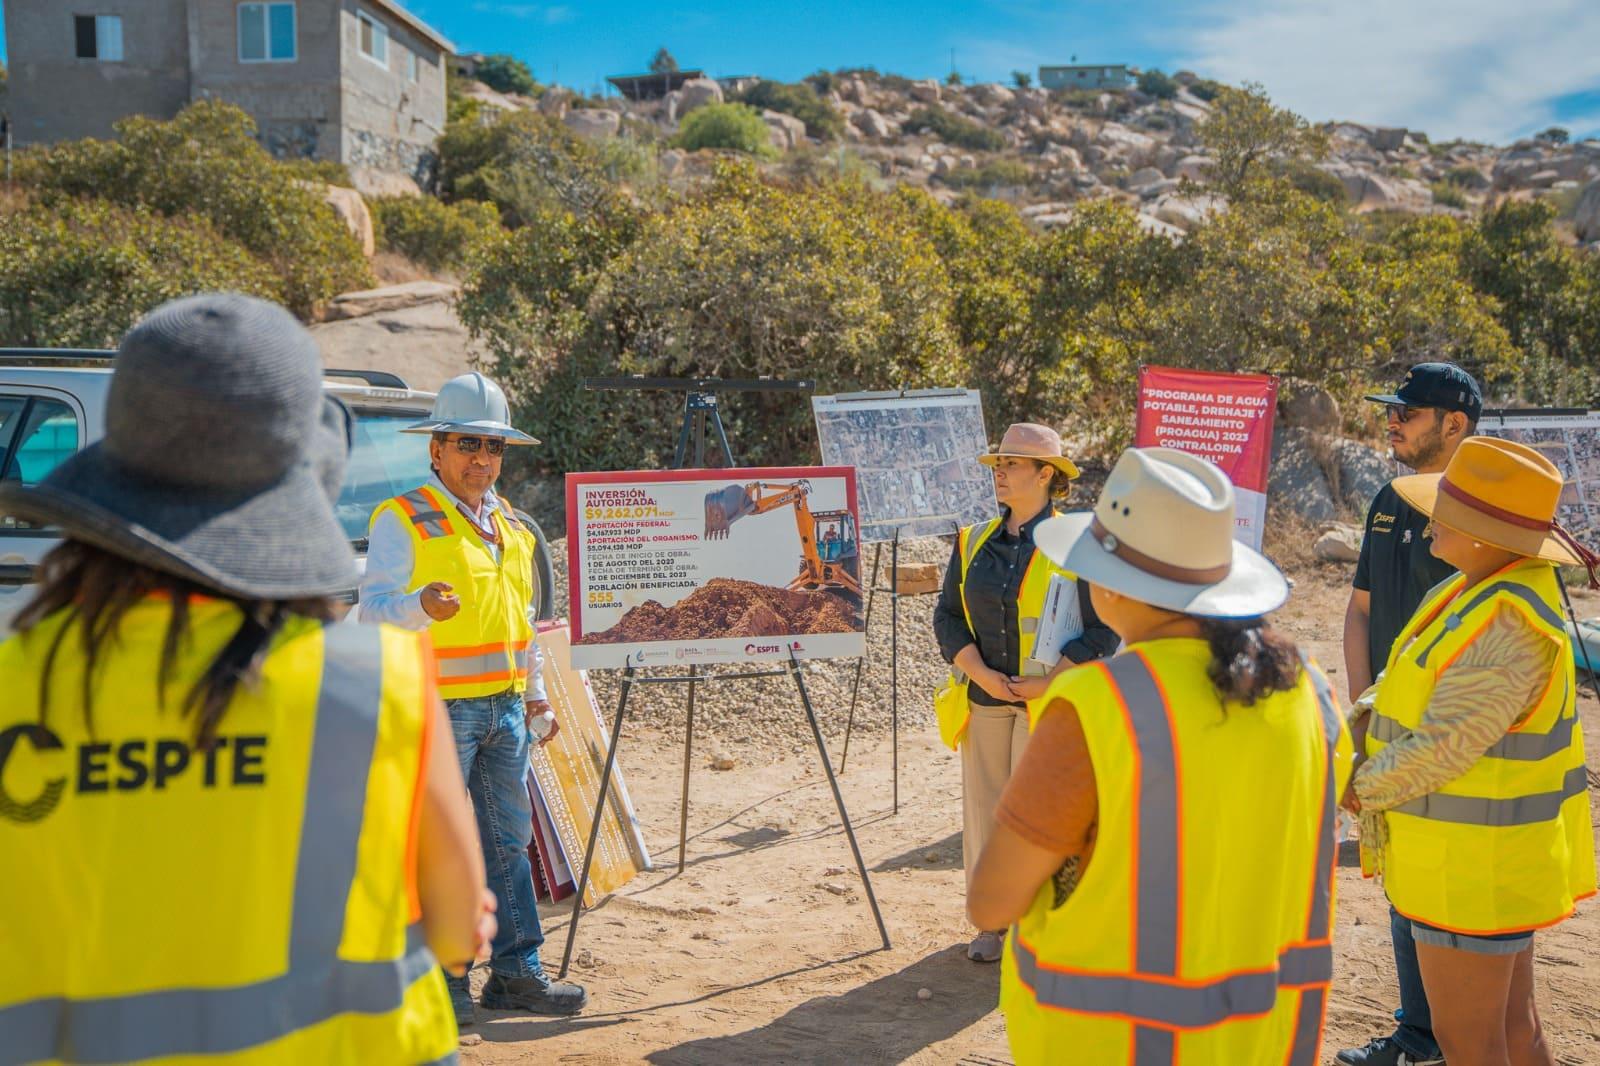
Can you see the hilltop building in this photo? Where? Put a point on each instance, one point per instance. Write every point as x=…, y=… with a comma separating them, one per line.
x=360, y=82
x=1114, y=76
x=652, y=86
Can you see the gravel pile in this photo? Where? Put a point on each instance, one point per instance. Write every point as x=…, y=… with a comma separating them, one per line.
x=766, y=713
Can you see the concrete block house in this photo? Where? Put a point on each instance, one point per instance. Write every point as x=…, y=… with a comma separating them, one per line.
x=361, y=82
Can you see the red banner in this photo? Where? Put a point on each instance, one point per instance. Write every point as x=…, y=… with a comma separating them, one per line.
x=1226, y=418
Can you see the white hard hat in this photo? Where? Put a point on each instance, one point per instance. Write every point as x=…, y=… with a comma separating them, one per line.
x=472, y=403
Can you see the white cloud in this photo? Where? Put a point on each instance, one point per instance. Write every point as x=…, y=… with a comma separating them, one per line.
x=551, y=14
x=1486, y=70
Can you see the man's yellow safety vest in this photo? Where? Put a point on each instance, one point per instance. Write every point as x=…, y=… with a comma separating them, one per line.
x=483, y=650
x=1200, y=930
x=950, y=702
x=1508, y=846
x=251, y=903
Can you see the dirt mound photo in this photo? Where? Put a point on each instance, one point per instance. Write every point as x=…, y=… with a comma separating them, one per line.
x=729, y=608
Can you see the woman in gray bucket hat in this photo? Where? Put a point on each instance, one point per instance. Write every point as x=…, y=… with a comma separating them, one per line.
x=244, y=825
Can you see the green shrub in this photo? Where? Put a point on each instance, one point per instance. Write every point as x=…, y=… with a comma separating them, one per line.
x=732, y=126
x=954, y=129
x=524, y=163
x=953, y=78
x=206, y=164
x=1464, y=176
x=1205, y=89
x=436, y=235
x=1316, y=182
x=1021, y=79
x=1448, y=194
x=801, y=101
x=507, y=74
x=79, y=273
x=822, y=81
x=995, y=172
x=1155, y=83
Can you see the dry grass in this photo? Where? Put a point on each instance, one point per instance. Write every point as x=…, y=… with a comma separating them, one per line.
x=392, y=268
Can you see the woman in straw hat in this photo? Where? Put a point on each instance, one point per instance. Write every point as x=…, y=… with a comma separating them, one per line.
x=243, y=827
x=1164, y=852
x=986, y=621
x=1472, y=793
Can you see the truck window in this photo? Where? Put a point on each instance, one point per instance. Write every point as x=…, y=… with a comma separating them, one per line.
x=36, y=434
x=384, y=462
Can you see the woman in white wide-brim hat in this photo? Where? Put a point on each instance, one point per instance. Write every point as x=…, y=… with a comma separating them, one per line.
x=987, y=622
x=1164, y=851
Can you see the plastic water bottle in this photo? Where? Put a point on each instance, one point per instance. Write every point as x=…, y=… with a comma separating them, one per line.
x=540, y=725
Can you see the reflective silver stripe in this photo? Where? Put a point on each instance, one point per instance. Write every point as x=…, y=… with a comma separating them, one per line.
x=1154, y=1047
x=318, y=985
x=1515, y=747
x=975, y=540
x=428, y=518
x=1155, y=899
x=1521, y=591
x=1308, y=1027
x=494, y=662
x=1480, y=810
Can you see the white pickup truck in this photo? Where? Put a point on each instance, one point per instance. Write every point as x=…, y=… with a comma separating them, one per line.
x=53, y=402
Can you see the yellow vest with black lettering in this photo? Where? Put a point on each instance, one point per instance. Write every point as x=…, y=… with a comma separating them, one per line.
x=950, y=703
x=250, y=904
x=483, y=650
x=1508, y=846
x=1200, y=929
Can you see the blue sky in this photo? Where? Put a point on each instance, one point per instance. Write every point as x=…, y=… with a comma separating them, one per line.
x=1483, y=69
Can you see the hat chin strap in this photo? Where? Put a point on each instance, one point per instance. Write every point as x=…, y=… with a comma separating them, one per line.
x=1589, y=559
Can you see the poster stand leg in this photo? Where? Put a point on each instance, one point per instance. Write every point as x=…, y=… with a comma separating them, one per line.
x=688, y=743
x=838, y=797
x=1577, y=631
x=866, y=626
x=894, y=661
x=594, y=827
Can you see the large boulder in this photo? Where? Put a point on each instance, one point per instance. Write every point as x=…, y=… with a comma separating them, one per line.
x=786, y=130
x=422, y=341
x=992, y=94
x=1586, y=218
x=871, y=124
x=1187, y=212
x=1297, y=481
x=389, y=298
x=1129, y=146
x=697, y=92
x=1340, y=544
x=1143, y=178
x=1308, y=406
x=925, y=91
x=373, y=183
x=1194, y=168
x=352, y=211
x=592, y=123
x=1360, y=471
x=1388, y=139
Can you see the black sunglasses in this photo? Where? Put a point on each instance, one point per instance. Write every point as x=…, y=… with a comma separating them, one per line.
x=470, y=445
x=1402, y=412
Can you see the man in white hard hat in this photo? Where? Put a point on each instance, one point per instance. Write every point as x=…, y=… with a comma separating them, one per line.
x=450, y=557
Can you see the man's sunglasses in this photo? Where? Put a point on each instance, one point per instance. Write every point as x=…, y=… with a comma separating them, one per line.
x=1402, y=412
x=470, y=445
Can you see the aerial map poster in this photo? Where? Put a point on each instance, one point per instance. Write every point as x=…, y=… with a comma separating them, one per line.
x=1571, y=440
x=916, y=458
x=713, y=566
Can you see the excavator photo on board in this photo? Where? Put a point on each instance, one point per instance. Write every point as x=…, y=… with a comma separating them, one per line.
x=829, y=547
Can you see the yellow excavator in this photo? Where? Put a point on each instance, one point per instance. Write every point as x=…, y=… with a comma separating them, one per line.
x=829, y=548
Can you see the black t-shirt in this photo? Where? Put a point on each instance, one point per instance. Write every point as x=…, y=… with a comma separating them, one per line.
x=1397, y=568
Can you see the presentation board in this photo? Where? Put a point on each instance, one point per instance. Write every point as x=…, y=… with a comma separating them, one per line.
x=1571, y=440
x=685, y=567
x=916, y=459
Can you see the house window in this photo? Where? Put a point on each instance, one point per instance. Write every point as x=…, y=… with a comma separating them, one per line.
x=411, y=66
x=98, y=37
x=266, y=33
x=374, y=39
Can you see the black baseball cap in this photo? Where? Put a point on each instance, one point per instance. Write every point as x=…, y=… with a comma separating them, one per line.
x=1442, y=385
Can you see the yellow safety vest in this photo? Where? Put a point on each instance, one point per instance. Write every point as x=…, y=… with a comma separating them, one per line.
x=483, y=650
x=950, y=701
x=1508, y=846
x=1200, y=931
x=250, y=904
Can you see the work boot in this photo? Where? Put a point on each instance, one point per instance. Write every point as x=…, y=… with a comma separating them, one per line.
x=536, y=994
x=1382, y=1051
x=461, y=1002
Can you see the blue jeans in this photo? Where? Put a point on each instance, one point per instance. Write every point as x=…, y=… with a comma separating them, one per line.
x=492, y=742
x=1414, y=1034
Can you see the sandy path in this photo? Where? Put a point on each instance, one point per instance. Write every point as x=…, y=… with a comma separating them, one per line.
x=749, y=956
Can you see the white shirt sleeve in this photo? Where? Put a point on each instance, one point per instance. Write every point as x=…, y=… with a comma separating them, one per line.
x=385, y=595
x=535, y=653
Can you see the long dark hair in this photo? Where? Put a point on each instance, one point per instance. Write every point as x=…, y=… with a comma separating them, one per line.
x=1249, y=659
x=99, y=588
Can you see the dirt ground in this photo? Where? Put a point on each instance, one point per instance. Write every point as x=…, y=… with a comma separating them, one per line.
x=763, y=950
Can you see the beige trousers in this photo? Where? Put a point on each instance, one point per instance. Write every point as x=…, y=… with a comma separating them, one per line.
x=989, y=752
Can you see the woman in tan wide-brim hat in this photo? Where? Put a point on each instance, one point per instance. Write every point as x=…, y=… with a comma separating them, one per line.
x=986, y=621
x=1472, y=795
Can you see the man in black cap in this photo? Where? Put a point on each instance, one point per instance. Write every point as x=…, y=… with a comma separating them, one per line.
x=1435, y=408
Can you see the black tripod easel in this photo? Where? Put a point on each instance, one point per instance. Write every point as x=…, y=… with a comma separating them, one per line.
x=700, y=407
x=894, y=594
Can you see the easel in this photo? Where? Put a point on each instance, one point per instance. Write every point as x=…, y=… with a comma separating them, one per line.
x=699, y=407
x=893, y=590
